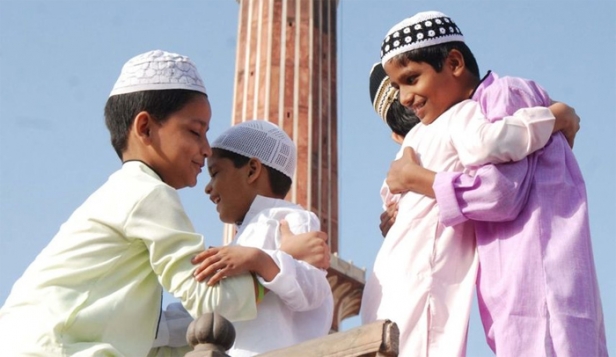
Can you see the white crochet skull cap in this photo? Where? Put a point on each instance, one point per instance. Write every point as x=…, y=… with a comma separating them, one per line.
x=263, y=140
x=158, y=70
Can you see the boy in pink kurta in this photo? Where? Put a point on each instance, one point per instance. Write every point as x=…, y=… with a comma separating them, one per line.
x=537, y=286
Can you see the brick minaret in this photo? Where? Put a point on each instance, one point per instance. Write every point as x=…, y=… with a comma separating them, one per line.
x=286, y=73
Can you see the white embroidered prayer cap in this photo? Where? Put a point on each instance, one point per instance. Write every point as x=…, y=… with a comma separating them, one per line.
x=421, y=30
x=262, y=140
x=158, y=70
x=382, y=94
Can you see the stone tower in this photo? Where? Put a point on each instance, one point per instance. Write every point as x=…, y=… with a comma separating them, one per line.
x=286, y=73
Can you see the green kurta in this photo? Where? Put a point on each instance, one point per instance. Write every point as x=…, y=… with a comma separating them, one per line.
x=96, y=288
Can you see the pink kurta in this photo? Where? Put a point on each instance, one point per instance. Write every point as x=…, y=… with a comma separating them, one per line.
x=537, y=286
x=424, y=274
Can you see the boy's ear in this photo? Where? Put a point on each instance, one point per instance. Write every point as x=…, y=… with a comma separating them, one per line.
x=399, y=139
x=255, y=167
x=455, y=62
x=142, y=126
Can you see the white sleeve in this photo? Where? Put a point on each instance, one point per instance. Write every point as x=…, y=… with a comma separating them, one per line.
x=387, y=197
x=479, y=142
x=159, y=221
x=299, y=285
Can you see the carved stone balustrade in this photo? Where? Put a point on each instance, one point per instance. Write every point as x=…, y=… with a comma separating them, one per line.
x=211, y=335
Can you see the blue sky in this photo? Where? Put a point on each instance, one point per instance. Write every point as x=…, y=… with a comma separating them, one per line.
x=59, y=60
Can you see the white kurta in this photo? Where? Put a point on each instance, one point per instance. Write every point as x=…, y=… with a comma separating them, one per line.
x=95, y=290
x=299, y=306
x=424, y=274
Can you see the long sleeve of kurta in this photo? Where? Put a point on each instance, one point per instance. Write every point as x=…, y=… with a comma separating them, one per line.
x=493, y=193
x=161, y=224
x=480, y=142
x=299, y=285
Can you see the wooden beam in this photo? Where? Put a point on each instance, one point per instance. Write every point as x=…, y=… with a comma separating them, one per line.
x=379, y=338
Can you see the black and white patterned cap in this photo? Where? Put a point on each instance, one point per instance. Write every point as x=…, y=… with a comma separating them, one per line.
x=421, y=30
x=382, y=94
x=158, y=70
x=262, y=140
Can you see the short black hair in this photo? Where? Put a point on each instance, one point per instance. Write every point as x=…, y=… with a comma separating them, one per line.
x=279, y=182
x=121, y=110
x=400, y=118
x=436, y=55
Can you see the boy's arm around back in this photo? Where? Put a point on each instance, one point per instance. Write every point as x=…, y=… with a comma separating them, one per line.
x=299, y=285
x=160, y=222
x=495, y=192
x=516, y=123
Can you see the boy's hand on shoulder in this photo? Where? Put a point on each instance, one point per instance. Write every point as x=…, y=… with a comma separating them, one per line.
x=310, y=247
x=566, y=121
x=220, y=262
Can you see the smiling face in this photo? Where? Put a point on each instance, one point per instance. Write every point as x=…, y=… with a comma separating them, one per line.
x=424, y=90
x=180, y=145
x=230, y=188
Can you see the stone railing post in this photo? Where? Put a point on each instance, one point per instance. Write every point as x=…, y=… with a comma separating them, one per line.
x=211, y=335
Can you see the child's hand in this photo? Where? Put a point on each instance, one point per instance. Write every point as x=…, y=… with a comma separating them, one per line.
x=401, y=171
x=566, y=121
x=388, y=217
x=310, y=247
x=221, y=262
x=406, y=174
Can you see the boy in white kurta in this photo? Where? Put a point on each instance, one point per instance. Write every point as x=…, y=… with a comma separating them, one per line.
x=252, y=166
x=95, y=290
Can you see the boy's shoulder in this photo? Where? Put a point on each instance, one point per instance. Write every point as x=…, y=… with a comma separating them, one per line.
x=132, y=187
x=515, y=92
x=261, y=224
x=135, y=181
x=133, y=172
x=493, y=83
x=516, y=83
x=265, y=209
x=276, y=206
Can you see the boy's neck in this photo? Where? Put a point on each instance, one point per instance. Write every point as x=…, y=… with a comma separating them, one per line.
x=134, y=152
x=469, y=83
x=269, y=194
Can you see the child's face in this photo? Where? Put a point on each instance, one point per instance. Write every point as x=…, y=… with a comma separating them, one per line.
x=229, y=188
x=422, y=89
x=181, y=144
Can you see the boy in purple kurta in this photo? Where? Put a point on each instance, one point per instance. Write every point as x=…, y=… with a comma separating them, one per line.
x=537, y=286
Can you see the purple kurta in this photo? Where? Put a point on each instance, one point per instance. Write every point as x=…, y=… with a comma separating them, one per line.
x=537, y=286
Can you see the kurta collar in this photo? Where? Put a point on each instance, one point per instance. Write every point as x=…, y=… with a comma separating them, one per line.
x=142, y=166
x=485, y=82
x=261, y=203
